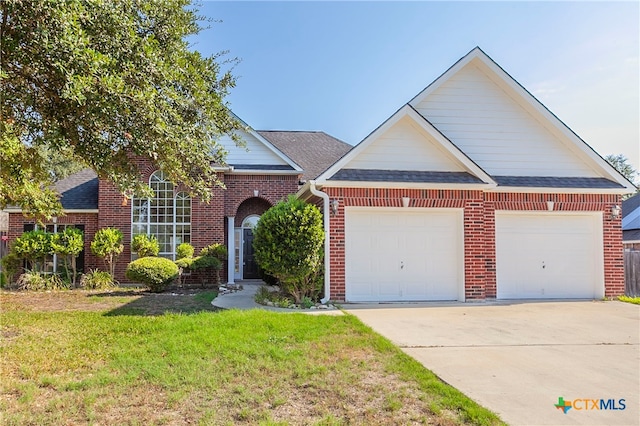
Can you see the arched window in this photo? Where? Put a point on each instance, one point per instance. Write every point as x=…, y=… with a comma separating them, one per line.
x=167, y=215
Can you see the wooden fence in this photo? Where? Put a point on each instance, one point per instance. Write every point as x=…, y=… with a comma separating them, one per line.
x=632, y=273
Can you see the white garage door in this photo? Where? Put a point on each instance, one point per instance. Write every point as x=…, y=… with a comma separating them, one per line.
x=403, y=254
x=549, y=255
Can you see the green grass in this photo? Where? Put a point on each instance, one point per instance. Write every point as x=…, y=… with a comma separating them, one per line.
x=230, y=367
x=628, y=299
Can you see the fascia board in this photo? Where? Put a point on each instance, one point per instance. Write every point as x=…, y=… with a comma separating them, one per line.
x=402, y=185
x=548, y=190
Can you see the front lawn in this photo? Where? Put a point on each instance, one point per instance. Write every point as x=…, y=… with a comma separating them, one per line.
x=128, y=358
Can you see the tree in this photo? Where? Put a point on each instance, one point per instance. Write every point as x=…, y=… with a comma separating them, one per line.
x=107, y=244
x=621, y=163
x=68, y=244
x=100, y=83
x=288, y=244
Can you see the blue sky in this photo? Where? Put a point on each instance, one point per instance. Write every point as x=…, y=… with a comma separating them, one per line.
x=345, y=67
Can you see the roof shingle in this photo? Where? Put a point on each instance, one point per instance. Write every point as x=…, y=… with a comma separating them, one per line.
x=79, y=191
x=369, y=175
x=313, y=151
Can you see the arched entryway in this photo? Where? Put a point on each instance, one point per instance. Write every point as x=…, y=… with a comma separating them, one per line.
x=242, y=265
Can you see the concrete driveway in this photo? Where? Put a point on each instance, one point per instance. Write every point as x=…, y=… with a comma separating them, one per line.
x=518, y=358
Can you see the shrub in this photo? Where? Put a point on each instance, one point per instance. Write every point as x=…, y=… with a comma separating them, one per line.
x=155, y=272
x=145, y=245
x=11, y=264
x=97, y=280
x=107, y=244
x=216, y=250
x=33, y=246
x=36, y=281
x=184, y=251
x=288, y=243
x=68, y=244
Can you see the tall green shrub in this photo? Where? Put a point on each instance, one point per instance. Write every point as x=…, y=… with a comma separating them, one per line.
x=68, y=244
x=107, y=244
x=145, y=245
x=33, y=246
x=288, y=243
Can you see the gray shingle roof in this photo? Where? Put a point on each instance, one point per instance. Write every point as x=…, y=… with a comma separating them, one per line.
x=79, y=191
x=556, y=182
x=630, y=204
x=313, y=151
x=631, y=235
x=366, y=175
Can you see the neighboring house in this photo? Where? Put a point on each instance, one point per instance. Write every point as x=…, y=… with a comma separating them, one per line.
x=256, y=177
x=471, y=190
x=631, y=223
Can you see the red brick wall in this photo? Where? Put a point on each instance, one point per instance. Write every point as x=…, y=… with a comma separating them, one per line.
x=479, y=229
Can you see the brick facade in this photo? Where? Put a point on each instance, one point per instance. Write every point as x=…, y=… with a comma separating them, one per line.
x=479, y=229
x=208, y=220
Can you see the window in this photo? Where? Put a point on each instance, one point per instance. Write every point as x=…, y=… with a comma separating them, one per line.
x=167, y=215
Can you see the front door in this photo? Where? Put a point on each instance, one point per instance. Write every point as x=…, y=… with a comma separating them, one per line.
x=250, y=269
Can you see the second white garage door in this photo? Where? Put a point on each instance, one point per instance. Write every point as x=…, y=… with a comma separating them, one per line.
x=549, y=255
x=403, y=254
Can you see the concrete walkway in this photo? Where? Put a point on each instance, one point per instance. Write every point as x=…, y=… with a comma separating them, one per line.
x=518, y=358
x=245, y=299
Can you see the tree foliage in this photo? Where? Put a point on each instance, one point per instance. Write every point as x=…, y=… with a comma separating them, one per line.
x=288, y=243
x=107, y=244
x=101, y=82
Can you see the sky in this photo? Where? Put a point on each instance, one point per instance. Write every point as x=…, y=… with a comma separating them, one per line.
x=345, y=67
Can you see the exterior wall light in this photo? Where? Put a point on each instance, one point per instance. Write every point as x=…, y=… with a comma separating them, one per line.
x=615, y=212
x=334, y=206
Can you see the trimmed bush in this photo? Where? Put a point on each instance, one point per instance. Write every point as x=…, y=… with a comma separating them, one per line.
x=288, y=243
x=184, y=251
x=145, y=246
x=107, y=244
x=155, y=272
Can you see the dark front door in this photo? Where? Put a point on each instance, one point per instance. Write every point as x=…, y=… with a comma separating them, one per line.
x=250, y=270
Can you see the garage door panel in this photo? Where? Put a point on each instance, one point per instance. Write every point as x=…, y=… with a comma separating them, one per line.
x=549, y=255
x=403, y=254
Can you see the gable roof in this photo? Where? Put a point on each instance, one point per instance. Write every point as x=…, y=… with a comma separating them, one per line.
x=492, y=128
x=258, y=155
x=313, y=151
x=79, y=191
x=458, y=167
x=550, y=123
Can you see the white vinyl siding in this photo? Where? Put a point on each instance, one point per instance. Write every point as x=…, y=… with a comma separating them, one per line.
x=255, y=152
x=495, y=131
x=403, y=254
x=549, y=255
x=405, y=146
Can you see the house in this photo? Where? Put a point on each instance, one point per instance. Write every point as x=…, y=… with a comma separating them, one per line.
x=471, y=190
x=256, y=177
x=631, y=223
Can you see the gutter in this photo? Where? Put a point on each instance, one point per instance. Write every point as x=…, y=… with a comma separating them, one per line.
x=325, y=208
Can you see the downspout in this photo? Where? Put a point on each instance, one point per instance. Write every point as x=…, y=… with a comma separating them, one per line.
x=325, y=212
